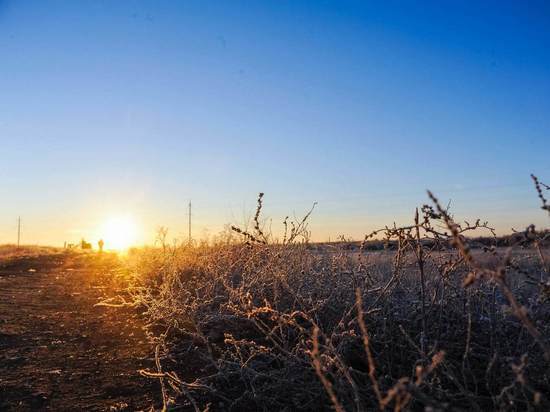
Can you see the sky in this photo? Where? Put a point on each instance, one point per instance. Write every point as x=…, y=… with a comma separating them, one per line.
x=132, y=108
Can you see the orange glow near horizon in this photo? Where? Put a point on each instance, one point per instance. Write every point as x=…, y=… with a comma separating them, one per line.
x=120, y=232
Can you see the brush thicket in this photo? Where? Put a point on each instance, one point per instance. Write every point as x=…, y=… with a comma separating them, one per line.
x=438, y=319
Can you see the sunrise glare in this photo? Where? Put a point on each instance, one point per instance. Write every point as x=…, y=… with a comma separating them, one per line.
x=119, y=232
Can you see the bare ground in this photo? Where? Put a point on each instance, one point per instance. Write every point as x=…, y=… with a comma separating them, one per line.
x=60, y=352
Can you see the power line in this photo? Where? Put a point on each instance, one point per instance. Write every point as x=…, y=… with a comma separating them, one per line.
x=189, y=222
x=18, y=231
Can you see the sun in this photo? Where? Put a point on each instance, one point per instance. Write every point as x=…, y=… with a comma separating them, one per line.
x=119, y=232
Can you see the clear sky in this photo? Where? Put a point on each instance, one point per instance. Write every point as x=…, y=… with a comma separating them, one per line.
x=110, y=108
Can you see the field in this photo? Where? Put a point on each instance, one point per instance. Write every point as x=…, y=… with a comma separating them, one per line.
x=429, y=316
x=57, y=350
x=399, y=259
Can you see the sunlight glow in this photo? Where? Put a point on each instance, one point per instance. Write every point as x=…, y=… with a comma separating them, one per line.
x=119, y=232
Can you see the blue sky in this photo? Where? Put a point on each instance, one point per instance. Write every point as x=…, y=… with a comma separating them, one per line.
x=110, y=107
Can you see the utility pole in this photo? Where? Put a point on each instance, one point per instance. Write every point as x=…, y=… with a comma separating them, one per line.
x=189, y=222
x=18, y=231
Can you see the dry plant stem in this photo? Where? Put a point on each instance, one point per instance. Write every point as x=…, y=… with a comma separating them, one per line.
x=316, y=359
x=538, y=186
x=468, y=339
x=498, y=276
x=161, y=379
x=521, y=314
x=366, y=345
x=171, y=376
x=183, y=389
x=257, y=218
x=420, y=261
x=394, y=277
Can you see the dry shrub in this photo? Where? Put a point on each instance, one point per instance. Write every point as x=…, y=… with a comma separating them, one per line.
x=437, y=320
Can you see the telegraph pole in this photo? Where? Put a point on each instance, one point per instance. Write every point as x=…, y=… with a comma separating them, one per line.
x=189, y=222
x=18, y=231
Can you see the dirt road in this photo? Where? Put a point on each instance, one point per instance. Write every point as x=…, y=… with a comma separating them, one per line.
x=58, y=351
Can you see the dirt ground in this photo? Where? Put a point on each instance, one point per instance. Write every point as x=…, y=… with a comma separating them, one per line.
x=60, y=352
